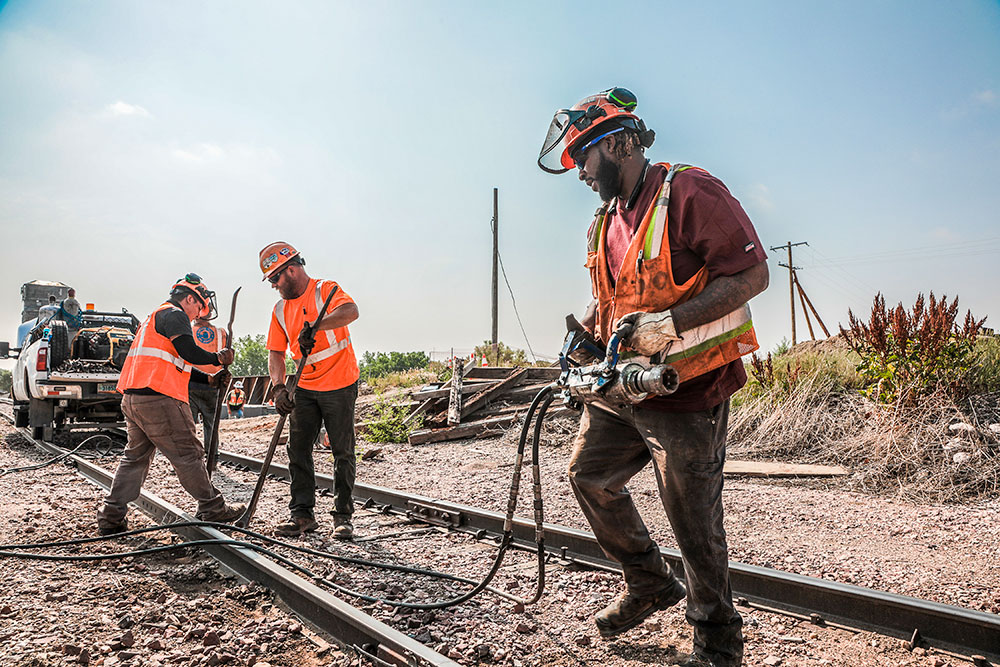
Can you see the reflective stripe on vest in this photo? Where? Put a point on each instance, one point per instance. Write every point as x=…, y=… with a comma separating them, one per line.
x=658, y=226
x=335, y=346
x=699, y=339
x=140, y=351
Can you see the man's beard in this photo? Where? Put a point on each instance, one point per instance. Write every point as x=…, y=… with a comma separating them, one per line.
x=608, y=179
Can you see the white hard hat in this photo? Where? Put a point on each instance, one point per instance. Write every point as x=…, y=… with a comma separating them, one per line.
x=239, y=384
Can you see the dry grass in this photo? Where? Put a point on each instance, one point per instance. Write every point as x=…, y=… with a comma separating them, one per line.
x=897, y=450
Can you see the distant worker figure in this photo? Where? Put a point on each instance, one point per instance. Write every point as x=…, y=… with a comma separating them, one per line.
x=671, y=253
x=154, y=381
x=206, y=379
x=69, y=311
x=327, y=390
x=49, y=310
x=236, y=400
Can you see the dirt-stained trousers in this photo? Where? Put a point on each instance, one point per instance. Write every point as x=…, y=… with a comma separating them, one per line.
x=688, y=451
x=313, y=409
x=160, y=423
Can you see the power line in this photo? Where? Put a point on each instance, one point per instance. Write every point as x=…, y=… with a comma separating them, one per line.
x=503, y=271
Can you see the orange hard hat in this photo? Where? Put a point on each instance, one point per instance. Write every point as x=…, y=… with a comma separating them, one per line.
x=610, y=110
x=274, y=256
x=192, y=284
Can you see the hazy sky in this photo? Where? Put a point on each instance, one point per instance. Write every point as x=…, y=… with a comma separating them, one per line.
x=142, y=140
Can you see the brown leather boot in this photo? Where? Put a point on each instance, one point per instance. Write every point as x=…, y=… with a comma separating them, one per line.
x=296, y=526
x=629, y=610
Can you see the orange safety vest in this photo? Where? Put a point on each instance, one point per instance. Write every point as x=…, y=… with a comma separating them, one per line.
x=332, y=363
x=236, y=398
x=646, y=283
x=211, y=338
x=153, y=363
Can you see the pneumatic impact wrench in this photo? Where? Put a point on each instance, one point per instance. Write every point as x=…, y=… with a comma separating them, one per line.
x=603, y=379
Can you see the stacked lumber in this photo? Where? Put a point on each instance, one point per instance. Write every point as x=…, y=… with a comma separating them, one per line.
x=477, y=400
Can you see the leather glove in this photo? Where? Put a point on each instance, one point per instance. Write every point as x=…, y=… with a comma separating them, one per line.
x=283, y=403
x=226, y=356
x=220, y=379
x=650, y=332
x=307, y=339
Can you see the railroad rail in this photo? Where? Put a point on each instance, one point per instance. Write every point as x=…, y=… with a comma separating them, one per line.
x=346, y=624
x=947, y=628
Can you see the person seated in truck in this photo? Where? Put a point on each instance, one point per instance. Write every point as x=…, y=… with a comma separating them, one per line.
x=49, y=310
x=69, y=312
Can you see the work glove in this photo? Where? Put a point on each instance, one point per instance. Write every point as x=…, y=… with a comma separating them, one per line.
x=650, y=332
x=226, y=356
x=307, y=339
x=220, y=380
x=283, y=402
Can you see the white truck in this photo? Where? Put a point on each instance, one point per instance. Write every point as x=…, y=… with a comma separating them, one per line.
x=63, y=382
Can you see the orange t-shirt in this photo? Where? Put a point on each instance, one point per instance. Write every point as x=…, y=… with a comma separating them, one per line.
x=332, y=363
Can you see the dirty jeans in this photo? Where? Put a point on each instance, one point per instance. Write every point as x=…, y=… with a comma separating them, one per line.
x=314, y=409
x=202, y=401
x=688, y=451
x=160, y=423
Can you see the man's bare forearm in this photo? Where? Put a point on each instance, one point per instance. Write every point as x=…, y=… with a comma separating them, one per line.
x=340, y=316
x=721, y=297
x=276, y=366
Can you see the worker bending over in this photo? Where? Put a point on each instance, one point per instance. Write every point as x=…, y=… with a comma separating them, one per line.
x=154, y=383
x=672, y=252
x=327, y=390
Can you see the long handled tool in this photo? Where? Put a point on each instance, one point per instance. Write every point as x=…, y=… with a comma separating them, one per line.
x=212, y=447
x=244, y=520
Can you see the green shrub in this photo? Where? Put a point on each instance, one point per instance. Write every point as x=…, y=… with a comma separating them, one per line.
x=907, y=354
x=379, y=364
x=984, y=370
x=505, y=356
x=411, y=378
x=387, y=423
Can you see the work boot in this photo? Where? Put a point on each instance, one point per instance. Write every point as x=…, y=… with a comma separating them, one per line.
x=295, y=526
x=630, y=610
x=227, y=514
x=343, y=529
x=105, y=527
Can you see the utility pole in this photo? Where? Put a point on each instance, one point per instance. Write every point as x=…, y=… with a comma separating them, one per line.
x=496, y=254
x=791, y=279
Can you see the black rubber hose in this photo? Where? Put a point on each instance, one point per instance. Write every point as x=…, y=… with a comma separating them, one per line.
x=55, y=459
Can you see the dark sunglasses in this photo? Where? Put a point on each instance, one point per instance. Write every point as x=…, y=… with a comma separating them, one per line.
x=191, y=279
x=277, y=276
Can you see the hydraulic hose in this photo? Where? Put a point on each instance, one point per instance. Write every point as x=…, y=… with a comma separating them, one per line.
x=56, y=459
x=539, y=405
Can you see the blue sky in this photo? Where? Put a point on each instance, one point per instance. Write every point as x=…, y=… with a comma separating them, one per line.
x=139, y=141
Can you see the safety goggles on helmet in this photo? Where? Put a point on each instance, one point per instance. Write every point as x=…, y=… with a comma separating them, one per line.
x=193, y=284
x=570, y=126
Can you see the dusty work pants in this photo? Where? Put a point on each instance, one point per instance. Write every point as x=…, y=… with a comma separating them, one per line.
x=314, y=409
x=202, y=402
x=688, y=451
x=160, y=423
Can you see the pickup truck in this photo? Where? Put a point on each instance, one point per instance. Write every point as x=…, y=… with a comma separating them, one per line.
x=61, y=383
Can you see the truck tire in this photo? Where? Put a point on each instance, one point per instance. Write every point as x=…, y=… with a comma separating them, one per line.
x=58, y=344
x=20, y=416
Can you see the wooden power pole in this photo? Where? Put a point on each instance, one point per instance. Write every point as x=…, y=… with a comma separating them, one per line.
x=791, y=279
x=496, y=254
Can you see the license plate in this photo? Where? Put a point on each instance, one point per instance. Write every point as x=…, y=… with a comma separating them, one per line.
x=107, y=387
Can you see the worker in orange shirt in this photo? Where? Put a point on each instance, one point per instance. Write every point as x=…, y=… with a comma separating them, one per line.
x=326, y=392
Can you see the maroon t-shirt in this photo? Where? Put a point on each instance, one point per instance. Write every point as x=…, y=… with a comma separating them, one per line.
x=706, y=227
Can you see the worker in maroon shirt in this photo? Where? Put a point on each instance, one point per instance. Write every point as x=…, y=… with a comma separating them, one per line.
x=672, y=253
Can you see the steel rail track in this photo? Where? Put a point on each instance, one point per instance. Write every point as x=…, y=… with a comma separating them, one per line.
x=347, y=624
x=948, y=628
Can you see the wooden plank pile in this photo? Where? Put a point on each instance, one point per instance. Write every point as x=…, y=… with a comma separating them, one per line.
x=479, y=399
